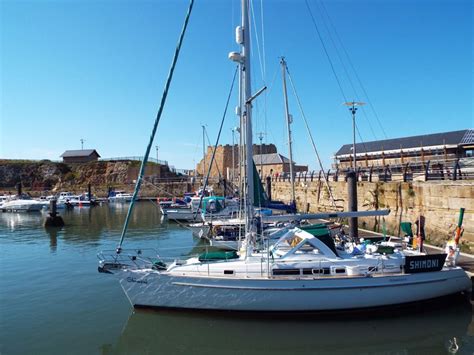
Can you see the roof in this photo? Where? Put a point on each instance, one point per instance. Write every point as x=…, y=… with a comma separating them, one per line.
x=437, y=139
x=79, y=153
x=267, y=159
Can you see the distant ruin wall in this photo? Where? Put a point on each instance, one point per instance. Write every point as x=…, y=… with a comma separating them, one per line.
x=223, y=158
x=438, y=201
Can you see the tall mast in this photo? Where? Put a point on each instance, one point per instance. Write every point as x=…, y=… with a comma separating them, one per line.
x=245, y=48
x=242, y=37
x=288, y=126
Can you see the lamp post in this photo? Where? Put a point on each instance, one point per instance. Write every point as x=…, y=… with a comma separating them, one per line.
x=353, y=108
x=157, y=147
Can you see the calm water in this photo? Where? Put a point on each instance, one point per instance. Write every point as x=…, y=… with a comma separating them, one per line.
x=53, y=301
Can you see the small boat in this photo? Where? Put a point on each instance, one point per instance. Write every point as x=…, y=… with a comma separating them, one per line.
x=120, y=197
x=212, y=207
x=21, y=205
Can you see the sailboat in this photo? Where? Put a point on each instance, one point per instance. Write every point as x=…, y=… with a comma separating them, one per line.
x=302, y=271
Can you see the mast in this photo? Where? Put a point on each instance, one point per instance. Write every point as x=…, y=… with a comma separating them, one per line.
x=204, y=150
x=242, y=37
x=245, y=48
x=288, y=126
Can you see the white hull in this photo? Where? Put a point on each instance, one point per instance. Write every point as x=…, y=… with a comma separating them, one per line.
x=159, y=289
x=182, y=214
x=22, y=206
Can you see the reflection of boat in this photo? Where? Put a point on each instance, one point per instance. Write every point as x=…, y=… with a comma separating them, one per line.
x=426, y=329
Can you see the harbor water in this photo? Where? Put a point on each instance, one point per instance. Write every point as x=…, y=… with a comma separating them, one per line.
x=53, y=301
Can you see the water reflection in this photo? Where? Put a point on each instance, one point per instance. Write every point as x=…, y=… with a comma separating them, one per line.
x=436, y=329
x=16, y=220
x=53, y=237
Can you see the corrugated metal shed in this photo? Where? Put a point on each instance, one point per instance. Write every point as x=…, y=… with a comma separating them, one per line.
x=427, y=140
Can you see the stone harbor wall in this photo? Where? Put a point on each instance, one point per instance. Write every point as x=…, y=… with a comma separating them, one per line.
x=438, y=201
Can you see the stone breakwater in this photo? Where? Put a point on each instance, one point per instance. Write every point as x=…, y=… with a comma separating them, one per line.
x=438, y=201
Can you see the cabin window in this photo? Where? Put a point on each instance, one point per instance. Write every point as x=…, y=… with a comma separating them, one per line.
x=321, y=271
x=282, y=272
x=228, y=272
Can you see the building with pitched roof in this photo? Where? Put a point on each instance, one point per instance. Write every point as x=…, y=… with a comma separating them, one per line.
x=80, y=156
x=275, y=163
x=416, y=151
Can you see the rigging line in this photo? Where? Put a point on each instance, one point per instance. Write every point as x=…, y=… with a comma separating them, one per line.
x=327, y=53
x=325, y=50
x=265, y=117
x=155, y=125
x=213, y=149
x=345, y=68
x=311, y=138
x=263, y=41
x=360, y=137
x=218, y=137
x=353, y=69
x=258, y=42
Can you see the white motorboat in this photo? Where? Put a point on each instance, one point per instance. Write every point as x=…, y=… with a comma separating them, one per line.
x=21, y=205
x=120, y=197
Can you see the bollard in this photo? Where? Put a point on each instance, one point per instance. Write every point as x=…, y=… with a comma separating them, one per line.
x=352, y=204
x=53, y=220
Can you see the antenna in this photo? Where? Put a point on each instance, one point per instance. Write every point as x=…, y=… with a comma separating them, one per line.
x=353, y=108
x=82, y=143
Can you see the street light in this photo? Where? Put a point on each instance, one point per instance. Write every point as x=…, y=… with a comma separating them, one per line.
x=353, y=108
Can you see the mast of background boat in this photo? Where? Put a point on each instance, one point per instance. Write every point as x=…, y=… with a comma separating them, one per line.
x=203, y=151
x=288, y=126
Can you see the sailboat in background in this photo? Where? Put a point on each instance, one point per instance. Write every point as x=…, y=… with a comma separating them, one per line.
x=303, y=271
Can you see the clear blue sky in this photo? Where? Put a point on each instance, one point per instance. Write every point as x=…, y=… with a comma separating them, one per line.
x=96, y=69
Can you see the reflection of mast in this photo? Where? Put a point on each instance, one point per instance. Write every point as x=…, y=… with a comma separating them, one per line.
x=288, y=126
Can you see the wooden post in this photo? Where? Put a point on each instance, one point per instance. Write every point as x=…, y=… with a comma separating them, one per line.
x=370, y=173
x=405, y=172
